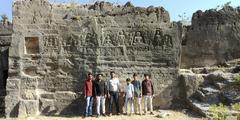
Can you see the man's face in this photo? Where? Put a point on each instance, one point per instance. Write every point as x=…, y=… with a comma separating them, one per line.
x=135, y=77
x=90, y=77
x=147, y=77
x=112, y=75
x=100, y=77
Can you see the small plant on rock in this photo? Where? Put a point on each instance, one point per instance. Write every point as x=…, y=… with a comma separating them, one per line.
x=237, y=79
x=236, y=106
x=219, y=111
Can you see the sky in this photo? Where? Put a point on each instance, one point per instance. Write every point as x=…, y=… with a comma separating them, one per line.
x=174, y=7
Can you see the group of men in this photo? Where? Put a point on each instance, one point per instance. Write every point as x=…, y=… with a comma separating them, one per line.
x=100, y=90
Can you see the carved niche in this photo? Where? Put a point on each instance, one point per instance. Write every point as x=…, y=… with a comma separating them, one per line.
x=158, y=38
x=107, y=41
x=167, y=41
x=138, y=39
x=31, y=45
x=91, y=40
x=162, y=41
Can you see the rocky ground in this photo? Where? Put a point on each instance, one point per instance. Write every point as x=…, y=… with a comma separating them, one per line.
x=209, y=86
x=165, y=115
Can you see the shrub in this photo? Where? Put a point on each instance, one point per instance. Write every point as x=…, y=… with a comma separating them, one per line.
x=236, y=106
x=237, y=79
x=218, y=111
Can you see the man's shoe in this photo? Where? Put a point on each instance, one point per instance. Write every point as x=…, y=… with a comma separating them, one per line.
x=151, y=113
x=110, y=114
x=104, y=114
x=118, y=113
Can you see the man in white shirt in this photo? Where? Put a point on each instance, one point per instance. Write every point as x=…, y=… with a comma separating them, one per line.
x=129, y=96
x=113, y=87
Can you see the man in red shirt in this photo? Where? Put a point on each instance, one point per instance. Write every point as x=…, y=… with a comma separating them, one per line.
x=147, y=92
x=88, y=92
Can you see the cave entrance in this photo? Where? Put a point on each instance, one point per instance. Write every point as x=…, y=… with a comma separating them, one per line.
x=4, y=53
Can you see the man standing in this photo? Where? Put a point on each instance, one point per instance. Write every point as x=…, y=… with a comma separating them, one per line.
x=147, y=92
x=129, y=96
x=137, y=94
x=113, y=87
x=88, y=91
x=100, y=91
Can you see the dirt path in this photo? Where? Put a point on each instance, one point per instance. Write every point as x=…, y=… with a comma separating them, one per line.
x=174, y=115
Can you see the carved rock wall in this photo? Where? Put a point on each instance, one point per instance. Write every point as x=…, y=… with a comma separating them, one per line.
x=54, y=46
x=213, y=38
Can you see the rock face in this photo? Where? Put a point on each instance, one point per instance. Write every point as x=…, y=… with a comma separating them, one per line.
x=213, y=38
x=203, y=90
x=54, y=46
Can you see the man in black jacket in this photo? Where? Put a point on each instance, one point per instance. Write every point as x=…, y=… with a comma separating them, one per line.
x=100, y=90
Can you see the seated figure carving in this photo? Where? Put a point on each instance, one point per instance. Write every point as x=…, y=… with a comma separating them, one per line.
x=107, y=41
x=90, y=40
x=138, y=39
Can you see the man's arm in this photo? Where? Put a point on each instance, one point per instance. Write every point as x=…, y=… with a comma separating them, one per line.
x=85, y=89
x=133, y=91
x=119, y=86
x=152, y=88
x=140, y=88
x=108, y=88
x=105, y=89
x=94, y=89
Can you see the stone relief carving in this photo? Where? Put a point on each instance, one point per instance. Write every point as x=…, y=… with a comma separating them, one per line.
x=129, y=38
x=107, y=41
x=138, y=39
x=72, y=41
x=91, y=39
x=50, y=41
x=51, y=44
x=168, y=41
x=121, y=38
x=158, y=38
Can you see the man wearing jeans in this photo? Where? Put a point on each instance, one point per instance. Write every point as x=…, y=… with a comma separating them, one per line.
x=88, y=91
x=100, y=91
x=147, y=92
x=137, y=94
x=113, y=87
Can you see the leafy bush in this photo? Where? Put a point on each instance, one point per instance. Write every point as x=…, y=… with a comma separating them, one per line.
x=219, y=111
x=237, y=79
x=235, y=84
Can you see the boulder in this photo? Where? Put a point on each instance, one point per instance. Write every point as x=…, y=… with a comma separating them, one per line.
x=191, y=83
x=217, y=76
x=231, y=97
x=236, y=69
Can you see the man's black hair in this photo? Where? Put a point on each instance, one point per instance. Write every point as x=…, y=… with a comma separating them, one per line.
x=89, y=73
x=128, y=79
x=135, y=74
